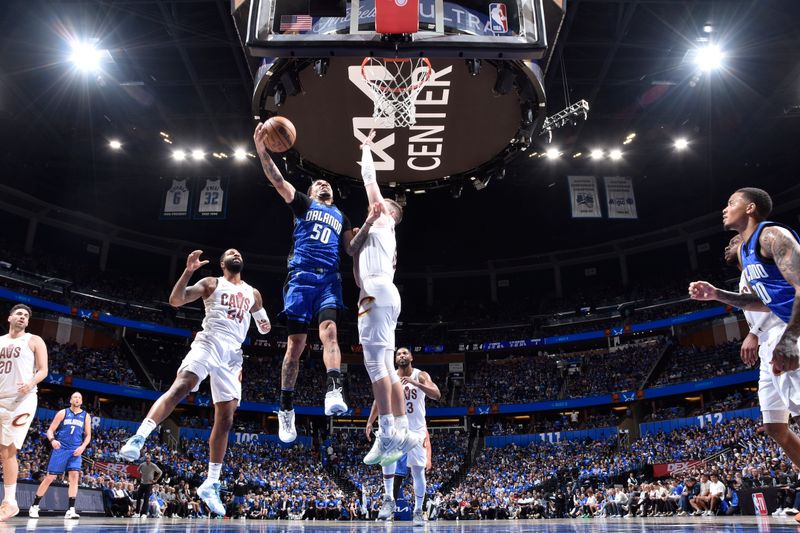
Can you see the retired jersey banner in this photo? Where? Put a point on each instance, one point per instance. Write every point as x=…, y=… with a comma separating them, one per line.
x=583, y=197
x=619, y=195
x=212, y=197
x=176, y=200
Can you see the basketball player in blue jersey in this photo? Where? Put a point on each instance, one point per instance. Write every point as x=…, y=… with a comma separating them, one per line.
x=69, y=435
x=313, y=287
x=770, y=259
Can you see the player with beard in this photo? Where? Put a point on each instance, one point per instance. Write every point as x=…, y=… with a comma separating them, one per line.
x=417, y=384
x=313, y=288
x=216, y=352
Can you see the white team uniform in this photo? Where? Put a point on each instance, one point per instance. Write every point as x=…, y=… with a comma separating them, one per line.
x=379, y=299
x=211, y=197
x=17, y=365
x=217, y=350
x=177, y=200
x=415, y=411
x=774, y=408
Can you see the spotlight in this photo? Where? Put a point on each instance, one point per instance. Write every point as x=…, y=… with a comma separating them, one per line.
x=577, y=155
x=197, y=154
x=115, y=144
x=505, y=81
x=615, y=155
x=474, y=66
x=596, y=154
x=85, y=56
x=239, y=154
x=321, y=67
x=708, y=28
x=178, y=155
x=681, y=144
x=709, y=58
x=552, y=153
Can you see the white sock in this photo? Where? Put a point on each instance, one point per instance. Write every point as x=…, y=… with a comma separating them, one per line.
x=214, y=470
x=146, y=427
x=387, y=424
x=401, y=422
x=10, y=493
x=388, y=487
x=418, y=473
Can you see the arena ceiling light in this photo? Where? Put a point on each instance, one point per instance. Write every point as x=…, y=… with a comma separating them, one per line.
x=596, y=154
x=198, y=154
x=178, y=155
x=615, y=154
x=552, y=153
x=681, y=144
x=85, y=56
x=239, y=154
x=709, y=58
x=114, y=144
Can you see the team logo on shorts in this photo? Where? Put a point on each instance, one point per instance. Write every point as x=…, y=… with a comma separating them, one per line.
x=20, y=420
x=400, y=3
x=362, y=305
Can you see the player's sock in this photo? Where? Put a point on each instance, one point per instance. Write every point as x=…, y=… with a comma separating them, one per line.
x=10, y=492
x=388, y=480
x=334, y=379
x=146, y=427
x=401, y=422
x=37, y=499
x=387, y=424
x=286, y=399
x=72, y=503
x=214, y=470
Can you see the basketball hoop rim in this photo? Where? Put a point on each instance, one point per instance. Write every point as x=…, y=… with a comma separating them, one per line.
x=403, y=89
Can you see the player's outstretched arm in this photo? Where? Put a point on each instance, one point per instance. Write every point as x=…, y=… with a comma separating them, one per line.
x=284, y=188
x=260, y=314
x=87, y=436
x=51, y=431
x=182, y=294
x=704, y=291
x=780, y=245
x=368, y=174
x=354, y=244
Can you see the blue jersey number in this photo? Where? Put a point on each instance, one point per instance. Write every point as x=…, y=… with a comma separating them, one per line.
x=212, y=198
x=321, y=234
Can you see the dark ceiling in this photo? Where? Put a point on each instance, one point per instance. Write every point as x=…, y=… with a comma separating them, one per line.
x=176, y=66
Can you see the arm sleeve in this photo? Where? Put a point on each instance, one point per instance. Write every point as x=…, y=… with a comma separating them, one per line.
x=300, y=204
x=346, y=225
x=367, y=166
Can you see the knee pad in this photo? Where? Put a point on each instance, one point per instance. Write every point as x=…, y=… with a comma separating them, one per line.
x=390, y=369
x=374, y=362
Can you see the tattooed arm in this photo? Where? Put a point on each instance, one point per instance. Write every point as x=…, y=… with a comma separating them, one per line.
x=780, y=245
x=704, y=291
x=284, y=188
x=355, y=244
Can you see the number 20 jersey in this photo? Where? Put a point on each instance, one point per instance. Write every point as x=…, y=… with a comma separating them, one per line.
x=765, y=277
x=16, y=364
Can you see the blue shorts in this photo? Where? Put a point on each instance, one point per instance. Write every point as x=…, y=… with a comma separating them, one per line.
x=307, y=293
x=238, y=500
x=401, y=466
x=62, y=459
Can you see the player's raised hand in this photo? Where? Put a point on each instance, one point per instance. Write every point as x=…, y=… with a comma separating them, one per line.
x=375, y=212
x=259, y=136
x=369, y=139
x=702, y=291
x=193, y=261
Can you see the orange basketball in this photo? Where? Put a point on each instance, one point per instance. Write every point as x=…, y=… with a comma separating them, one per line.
x=280, y=134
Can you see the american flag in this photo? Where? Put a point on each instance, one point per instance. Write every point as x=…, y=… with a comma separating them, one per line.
x=295, y=23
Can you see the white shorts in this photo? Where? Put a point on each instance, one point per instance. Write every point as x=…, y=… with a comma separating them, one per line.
x=16, y=415
x=378, y=311
x=221, y=361
x=786, y=386
x=418, y=456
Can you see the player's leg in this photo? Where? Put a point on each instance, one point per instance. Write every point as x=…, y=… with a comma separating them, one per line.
x=12, y=437
x=8, y=457
x=417, y=459
x=777, y=397
x=33, y=512
x=327, y=305
x=72, y=492
x=389, y=503
x=295, y=345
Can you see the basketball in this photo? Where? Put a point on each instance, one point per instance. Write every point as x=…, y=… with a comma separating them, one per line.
x=280, y=134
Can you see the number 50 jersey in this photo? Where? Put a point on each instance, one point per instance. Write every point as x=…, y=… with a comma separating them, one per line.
x=317, y=235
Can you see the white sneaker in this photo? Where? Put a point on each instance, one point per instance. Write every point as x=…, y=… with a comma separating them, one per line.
x=132, y=448
x=33, y=512
x=286, y=430
x=380, y=446
x=72, y=514
x=791, y=511
x=404, y=441
x=387, y=510
x=135, y=515
x=334, y=403
x=209, y=493
x=779, y=512
x=419, y=519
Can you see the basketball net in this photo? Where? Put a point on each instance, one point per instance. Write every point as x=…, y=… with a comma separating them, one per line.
x=395, y=84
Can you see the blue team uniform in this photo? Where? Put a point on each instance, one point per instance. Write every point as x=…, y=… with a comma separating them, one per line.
x=314, y=282
x=70, y=434
x=764, y=276
x=401, y=466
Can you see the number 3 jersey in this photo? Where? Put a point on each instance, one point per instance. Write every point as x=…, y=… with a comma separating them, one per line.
x=16, y=364
x=318, y=230
x=228, y=311
x=415, y=403
x=765, y=277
